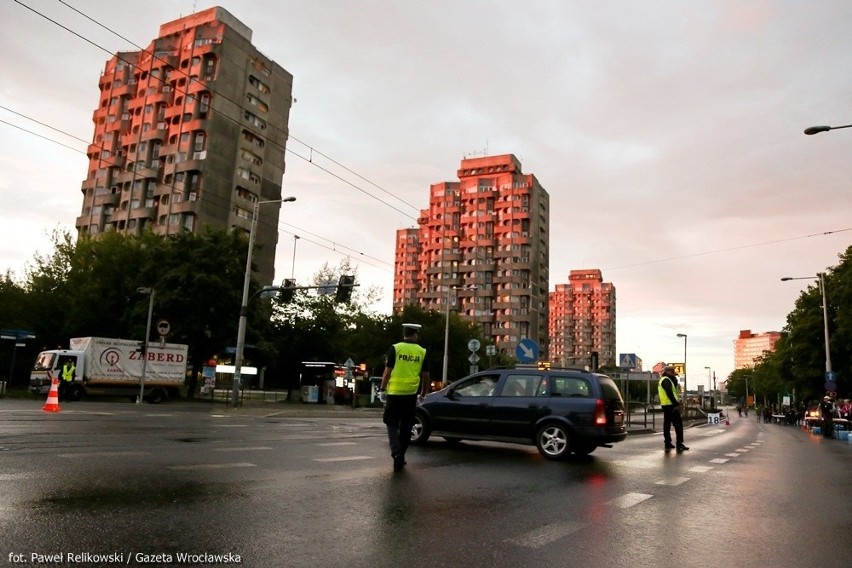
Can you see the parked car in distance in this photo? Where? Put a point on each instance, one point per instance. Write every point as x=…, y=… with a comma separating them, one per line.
x=560, y=411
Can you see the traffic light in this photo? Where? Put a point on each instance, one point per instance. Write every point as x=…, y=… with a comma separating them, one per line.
x=344, y=289
x=286, y=291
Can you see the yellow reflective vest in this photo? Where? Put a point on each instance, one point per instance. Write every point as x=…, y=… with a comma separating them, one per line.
x=405, y=375
x=664, y=397
x=68, y=372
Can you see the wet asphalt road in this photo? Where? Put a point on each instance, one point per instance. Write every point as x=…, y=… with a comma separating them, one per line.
x=149, y=485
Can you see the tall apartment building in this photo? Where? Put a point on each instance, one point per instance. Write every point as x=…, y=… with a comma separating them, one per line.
x=582, y=320
x=482, y=249
x=749, y=346
x=190, y=132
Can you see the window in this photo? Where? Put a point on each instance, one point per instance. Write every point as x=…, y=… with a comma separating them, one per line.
x=478, y=386
x=569, y=386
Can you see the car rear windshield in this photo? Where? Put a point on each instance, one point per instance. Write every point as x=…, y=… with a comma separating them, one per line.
x=610, y=391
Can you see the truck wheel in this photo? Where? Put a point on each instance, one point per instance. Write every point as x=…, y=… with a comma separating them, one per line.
x=75, y=392
x=157, y=396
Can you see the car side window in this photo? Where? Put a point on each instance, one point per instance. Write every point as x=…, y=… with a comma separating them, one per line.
x=570, y=386
x=524, y=385
x=478, y=386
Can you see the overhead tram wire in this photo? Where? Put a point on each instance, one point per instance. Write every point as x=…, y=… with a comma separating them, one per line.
x=363, y=255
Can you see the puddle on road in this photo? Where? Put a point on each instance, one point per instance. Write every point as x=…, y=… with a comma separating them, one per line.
x=167, y=493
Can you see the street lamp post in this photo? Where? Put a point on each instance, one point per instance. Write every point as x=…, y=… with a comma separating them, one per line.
x=712, y=394
x=293, y=268
x=821, y=279
x=150, y=293
x=241, y=328
x=811, y=130
x=685, y=395
x=447, y=331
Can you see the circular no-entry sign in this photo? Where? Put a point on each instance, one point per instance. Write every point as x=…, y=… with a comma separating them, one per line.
x=163, y=327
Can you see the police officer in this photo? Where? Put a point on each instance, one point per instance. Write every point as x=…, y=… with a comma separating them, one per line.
x=669, y=400
x=68, y=370
x=403, y=379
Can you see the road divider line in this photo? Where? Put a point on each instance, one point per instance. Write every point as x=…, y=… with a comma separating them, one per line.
x=719, y=460
x=248, y=449
x=629, y=499
x=673, y=481
x=101, y=454
x=546, y=534
x=199, y=466
x=701, y=468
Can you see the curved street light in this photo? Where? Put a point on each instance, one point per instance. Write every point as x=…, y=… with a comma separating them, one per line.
x=811, y=130
x=241, y=329
x=821, y=280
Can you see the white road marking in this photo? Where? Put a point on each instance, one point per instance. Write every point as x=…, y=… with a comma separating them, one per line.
x=14, y=476
x=673, y=481
x=330, y=444
x=248, y=449
x=347, y=458
x=102, y=454
x=211, y=466
x=733, y=455
x=701, y=468
x=628, y=500
x=545, y=535
x=719, y=460
x=742, y=450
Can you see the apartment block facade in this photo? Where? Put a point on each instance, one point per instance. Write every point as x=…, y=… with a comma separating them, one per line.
x=190, y=132
x=748, y=347
x=582, y=321
x=481, y=249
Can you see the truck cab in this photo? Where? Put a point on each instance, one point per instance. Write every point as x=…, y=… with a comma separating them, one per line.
x=48, y=366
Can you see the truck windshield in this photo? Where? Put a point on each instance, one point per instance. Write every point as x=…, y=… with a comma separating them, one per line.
x=45, y=361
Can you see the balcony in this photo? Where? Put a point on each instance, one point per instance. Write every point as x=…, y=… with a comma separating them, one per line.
x=107, y=199
x=143, y=213
x=186, y=207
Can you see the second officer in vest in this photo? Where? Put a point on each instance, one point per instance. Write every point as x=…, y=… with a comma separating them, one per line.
x=404, y=377
x=669, y=400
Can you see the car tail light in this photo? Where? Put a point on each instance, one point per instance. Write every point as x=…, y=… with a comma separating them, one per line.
x=600, y=413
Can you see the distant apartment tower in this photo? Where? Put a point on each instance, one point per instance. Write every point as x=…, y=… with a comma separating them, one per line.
x=748, y=347
x=582, y=320
x=190, y=132
x=482, y=249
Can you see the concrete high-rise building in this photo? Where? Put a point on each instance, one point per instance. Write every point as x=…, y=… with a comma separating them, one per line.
x=748, y=347
x=190, y=132
x=582, y=320
x=482, y=249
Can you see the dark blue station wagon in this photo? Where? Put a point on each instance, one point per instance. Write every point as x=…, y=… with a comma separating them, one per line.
x=560, y=411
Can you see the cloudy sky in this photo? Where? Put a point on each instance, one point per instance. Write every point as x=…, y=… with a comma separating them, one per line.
x=668, y=134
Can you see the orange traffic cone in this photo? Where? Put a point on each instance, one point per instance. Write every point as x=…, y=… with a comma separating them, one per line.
x=52, y=404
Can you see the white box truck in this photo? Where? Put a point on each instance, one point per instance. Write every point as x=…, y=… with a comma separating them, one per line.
x=113, y=367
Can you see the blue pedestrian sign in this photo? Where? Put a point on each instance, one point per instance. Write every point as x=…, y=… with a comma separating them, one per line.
x=527, y=351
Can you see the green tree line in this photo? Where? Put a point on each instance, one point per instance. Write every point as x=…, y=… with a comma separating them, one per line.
x=89, y=287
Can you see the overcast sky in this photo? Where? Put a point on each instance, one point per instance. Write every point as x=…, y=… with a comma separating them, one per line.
x=667, y=133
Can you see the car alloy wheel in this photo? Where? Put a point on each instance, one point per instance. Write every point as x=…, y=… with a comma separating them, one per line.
x=419, y=431
x=552, y=441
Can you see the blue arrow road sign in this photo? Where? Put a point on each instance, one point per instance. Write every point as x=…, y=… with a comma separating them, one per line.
x=527, y=351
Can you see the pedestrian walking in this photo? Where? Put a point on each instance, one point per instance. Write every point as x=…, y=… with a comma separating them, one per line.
x=404, y=377
x=670, y=401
